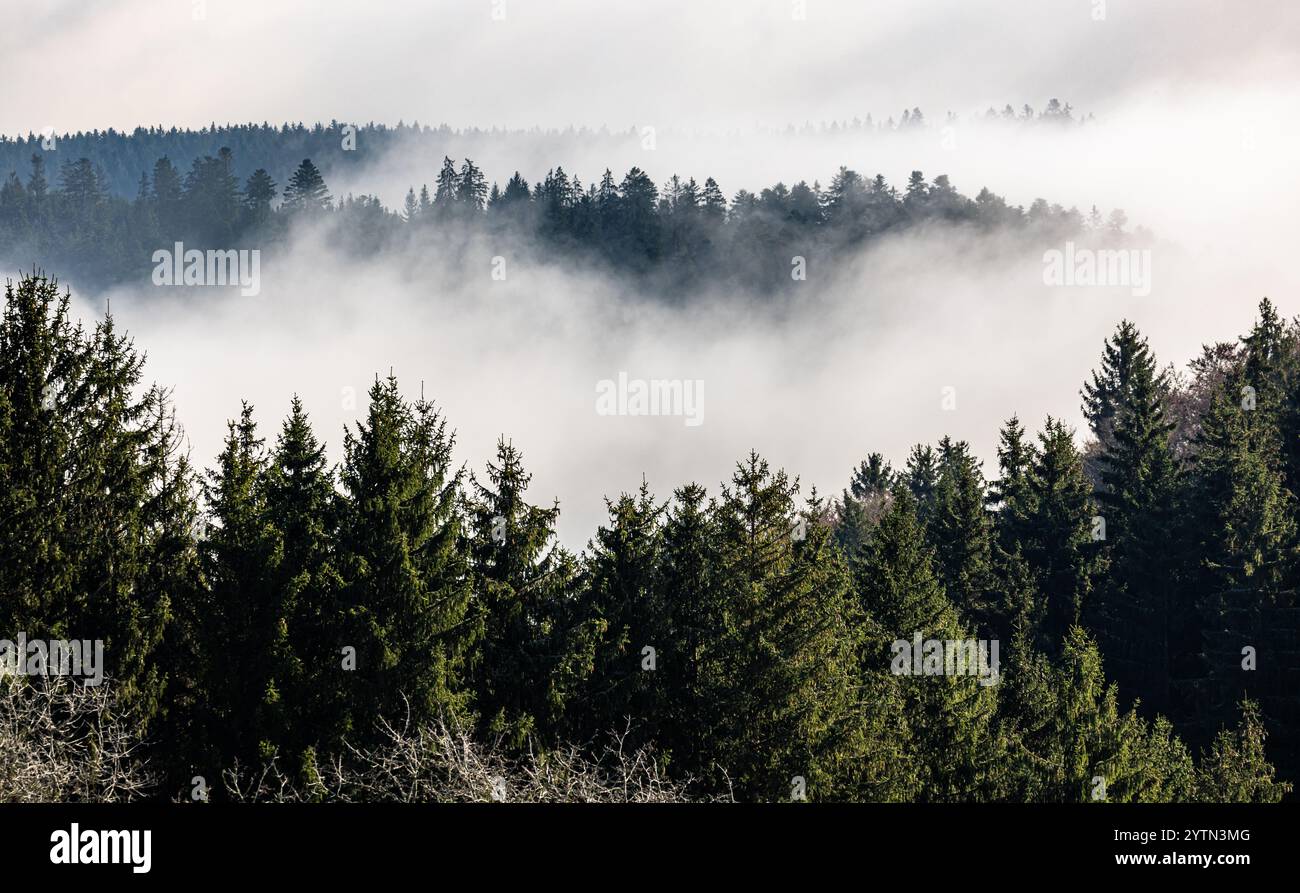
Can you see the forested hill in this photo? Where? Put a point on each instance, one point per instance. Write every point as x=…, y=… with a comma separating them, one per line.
x=277, y=609
x=683, y=230
x=123, y=156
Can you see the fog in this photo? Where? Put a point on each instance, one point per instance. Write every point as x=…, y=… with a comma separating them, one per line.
x=1196, y=107
x=721, y=64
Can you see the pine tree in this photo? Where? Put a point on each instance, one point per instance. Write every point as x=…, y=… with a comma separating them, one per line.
x=406, y=580
x=445, y=192
x=1243, y=519
x=1015, y=456
x=922, y=476
x=684, y=588
x=1124, y=356
x=953, y=744
x=861, y=506
x=782, y=671
x=1073, y=742
x=302, y=506
x=411, y=207
x=1235, y=769
x=117, y=523
x=471, y=187
x=537, y=646
x=1054, y=522
x=306, y=190
x=621, y=576
x=1138, y=610
x=212, y=200
x=247, y=662
x=259, y=192
x=961, y=533
x=91, y=491
x=37, y=185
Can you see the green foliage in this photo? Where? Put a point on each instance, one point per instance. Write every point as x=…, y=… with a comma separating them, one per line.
x=94, y=497
x=283, y=608
x=1076, y=745
x=406, y=583
x=537, y=646
x=1133, y=612
x=953, y=742
x=1235, y=769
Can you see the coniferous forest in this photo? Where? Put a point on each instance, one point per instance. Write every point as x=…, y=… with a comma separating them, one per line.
x=648, y=441
x=400, y=626
x=73, y=211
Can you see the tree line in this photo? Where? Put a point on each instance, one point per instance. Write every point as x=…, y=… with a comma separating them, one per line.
x=682, y=232
x=123, y=155
x=277, y=608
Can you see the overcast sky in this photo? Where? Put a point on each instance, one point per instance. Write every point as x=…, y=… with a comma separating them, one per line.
x=83, y=64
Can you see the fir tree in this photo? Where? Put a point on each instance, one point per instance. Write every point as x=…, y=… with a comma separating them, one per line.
x=622, y=573
x=406, y=581
x=1136, y=612
x=306, y=190
x=537, y=646
x=953, y=743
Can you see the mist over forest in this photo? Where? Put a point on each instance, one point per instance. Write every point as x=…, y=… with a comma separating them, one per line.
x=340, y=291
x=632, y=416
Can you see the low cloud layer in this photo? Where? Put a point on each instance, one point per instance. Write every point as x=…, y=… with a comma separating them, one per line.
x=1196, y=105
x=849, y=365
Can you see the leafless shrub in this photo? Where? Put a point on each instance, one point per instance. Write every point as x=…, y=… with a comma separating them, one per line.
x=63, y=741
x=442, y=763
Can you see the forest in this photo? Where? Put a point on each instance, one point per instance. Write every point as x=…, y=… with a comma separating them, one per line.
x=338, y=147
x=682, y=233
x=398, y=626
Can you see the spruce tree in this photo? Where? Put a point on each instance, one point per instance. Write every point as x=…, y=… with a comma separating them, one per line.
x=247, y=662
x=1235, y=769
x=259, y=192
x=1136, y=613
x=98, y=514
x=922, y=476
x=306, y=190
x=622, y=571
x=1074, y=744
x=1055, y=515
x=406, y=583
x=961, y=534
x=954, y=746
x=303, y=508
x=685, y=589
x=783, y=669
x=537, y=647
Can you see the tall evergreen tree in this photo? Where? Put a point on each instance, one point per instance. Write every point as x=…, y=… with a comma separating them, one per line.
x=783, y=668
x=303, y=508
x=622, y=573
x=953, y=743
x=1137, y=611
x=961, y=533
x=247, y=662
x=306, y=190
x=537, y=647
x=406, y=578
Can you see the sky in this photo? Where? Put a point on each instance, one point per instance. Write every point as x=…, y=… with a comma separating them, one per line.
x=83, y=64
x=1197, y=107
